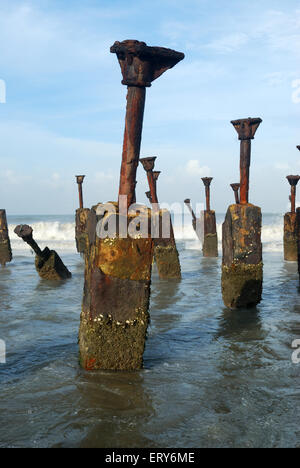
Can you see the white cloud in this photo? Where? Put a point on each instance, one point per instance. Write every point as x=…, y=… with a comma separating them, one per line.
x=282, y=166
x=229, y=43
x=193, y=168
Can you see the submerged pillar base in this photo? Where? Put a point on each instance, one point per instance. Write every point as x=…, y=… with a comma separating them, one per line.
x=81, y=234
x=208, y=234
x=290, y=237
x=242, y=268
x=5, y=247
x=50, y=266
x=165, y=251
x=115, y=316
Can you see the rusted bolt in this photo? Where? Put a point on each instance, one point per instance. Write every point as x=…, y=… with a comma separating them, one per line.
x=293, y=181
x=207, y=182
x=246, y=129
x=148, y=165
x=25, y=232
x=140, y=65
x=236, y=188
x=79, y=179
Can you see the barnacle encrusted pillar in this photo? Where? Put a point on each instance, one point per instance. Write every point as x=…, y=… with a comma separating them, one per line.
x=242, y=268
x=115, y=315
x=208, y=227
x=165, y=251
x=48, y=264
x=5, y=248
x=81, y=217
x=290, y=243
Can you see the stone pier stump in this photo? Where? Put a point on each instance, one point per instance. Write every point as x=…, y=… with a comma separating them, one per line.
x=290, y=237
x=5, y=248
x=208, y=233
x=165, y=250
x=242, y=268
x=81, y=230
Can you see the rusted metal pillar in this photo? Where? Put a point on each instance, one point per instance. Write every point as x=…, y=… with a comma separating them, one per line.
x=115, y=314
x=187, y=202
x=47, y=262
x=290, y=243
x=236, y=188
x=208, y=227
x=242, y=268
x=81, y=221
x=5, y=248
x=165, y=251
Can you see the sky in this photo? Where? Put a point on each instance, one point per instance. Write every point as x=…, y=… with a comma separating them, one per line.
x=65, y=105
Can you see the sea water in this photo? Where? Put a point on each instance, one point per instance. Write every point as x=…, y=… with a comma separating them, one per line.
x=211, y=378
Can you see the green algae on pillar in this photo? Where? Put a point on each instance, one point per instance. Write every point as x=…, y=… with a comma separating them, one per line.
x=5, y=247
x=290, y=224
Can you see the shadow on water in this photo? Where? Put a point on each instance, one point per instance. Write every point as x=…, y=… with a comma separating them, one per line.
x=240, y=325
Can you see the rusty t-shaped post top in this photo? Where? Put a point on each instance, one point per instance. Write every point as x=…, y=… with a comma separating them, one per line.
x=207, y=182
x=236, y=188
x=25, y=232
x=156, y=175
x=246, y=128
x=293, y=181
x=148, y=165
x=141, y=64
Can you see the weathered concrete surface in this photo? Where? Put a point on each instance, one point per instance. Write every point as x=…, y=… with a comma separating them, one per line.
x=5, y=248
x=242, y=268
x=115, y=314
x=208, y=233
x=290, y=237
x=165, y=250
x=50, y=266
x=298, y=237
x=81, y=234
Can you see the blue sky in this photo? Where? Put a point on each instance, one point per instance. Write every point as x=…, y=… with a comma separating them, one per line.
x=65, y=105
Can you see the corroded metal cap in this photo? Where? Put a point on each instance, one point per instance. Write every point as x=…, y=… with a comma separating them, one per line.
x=148, y=195
x=141, y=64
x=187, y=201
x=207, y=181
x=148, y=163
x=156, y=175
x=293, y=180
x=246, y=128
x=80, y=178
x=235, y=187
x=23, y=231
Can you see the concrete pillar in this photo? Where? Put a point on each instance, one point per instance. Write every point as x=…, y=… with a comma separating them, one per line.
x=242, y=268
x=5, y=248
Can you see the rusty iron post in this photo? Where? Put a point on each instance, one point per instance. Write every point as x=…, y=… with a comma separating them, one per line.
x=242, y=268
x=187, y=202
x=246, y=129
x=148, y=165
x=207, y=181
x=236, y=188
x=5, y=247
x=48, y=264
x=290, y=242
x=115, y=307
x=79, y=180
x=208, y=226
x=140, y=65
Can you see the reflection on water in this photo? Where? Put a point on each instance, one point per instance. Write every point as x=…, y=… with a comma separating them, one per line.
x=212, y=377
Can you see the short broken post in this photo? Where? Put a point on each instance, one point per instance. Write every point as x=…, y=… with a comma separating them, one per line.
x=165, y=251
x=290, y=242
x=5, y=247
x=81, y=219
x=242, y=268
x=236, y=188
x=187, y=202
x=208, y=227
x=115, y=313
x=47, y=262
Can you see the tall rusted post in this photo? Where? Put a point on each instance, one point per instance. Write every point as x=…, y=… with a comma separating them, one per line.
x=208, y=226
x=165, y=250
x=81, y=220
x=236, y=188
x=242, y=269
x=115, y=313
x=140, y=65
x=5, y=248
x=290, y=243
x=47, y=262
x=187, y=202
